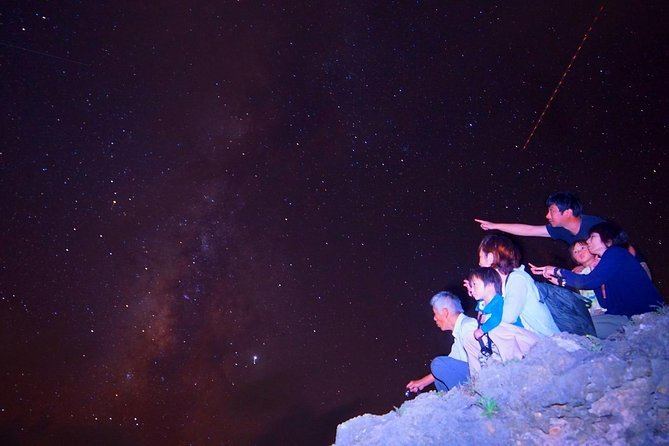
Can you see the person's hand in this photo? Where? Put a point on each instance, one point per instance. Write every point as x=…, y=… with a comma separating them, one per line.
x=553, y=280
x=468, y=286
x=417, y=385
x=478, y=333
x=546, y=271
x=486, y=225
x=578, y=269
x=538, y=270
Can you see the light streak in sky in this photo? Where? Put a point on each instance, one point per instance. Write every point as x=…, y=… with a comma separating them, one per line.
x=564, y=74
x=43, y=54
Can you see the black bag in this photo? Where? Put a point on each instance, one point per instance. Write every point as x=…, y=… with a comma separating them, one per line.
x=568, y=309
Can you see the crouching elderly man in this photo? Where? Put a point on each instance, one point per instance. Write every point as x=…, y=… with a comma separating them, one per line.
x=511, y=342
x=448, y=371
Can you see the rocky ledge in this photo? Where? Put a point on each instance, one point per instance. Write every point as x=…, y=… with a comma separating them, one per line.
x=569, y=390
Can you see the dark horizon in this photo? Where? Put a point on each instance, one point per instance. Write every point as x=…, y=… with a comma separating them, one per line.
x=185, y=189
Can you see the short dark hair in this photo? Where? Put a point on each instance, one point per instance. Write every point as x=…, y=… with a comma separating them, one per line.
x=564, y=201
x=488, y=276
x=506, y=255
x=611, y=234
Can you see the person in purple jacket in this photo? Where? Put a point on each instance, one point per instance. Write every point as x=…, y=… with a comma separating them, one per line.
x=628, y=289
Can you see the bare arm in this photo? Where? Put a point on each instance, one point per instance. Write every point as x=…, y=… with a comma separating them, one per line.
x=515, y=228
x=419, y=384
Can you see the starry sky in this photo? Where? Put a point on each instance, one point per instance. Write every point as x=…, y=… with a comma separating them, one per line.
x=222, y=221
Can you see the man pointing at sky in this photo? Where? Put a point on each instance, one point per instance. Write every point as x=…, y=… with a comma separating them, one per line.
x=566, y=221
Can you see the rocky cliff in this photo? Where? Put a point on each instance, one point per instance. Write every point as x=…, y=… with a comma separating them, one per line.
x=568, y=390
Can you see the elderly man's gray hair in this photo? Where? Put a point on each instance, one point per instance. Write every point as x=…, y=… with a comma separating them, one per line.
x=444, y=299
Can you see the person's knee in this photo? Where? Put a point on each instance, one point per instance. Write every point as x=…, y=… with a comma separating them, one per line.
x=438, y=364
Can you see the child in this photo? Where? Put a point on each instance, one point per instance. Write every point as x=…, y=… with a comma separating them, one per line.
x=586, y=263
x=486, y=288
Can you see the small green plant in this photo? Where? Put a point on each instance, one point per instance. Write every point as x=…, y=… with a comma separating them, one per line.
x=662, y=310
x=489, y=406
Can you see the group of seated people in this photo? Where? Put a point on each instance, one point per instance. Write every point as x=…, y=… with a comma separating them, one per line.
x=614, y=284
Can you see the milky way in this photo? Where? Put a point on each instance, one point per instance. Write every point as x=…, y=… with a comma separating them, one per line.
x=223, y=223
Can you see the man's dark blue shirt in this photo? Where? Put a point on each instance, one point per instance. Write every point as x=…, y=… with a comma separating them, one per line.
x=587, y=222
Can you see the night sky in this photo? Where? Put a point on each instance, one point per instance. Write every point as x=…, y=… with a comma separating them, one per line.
x=222, y=224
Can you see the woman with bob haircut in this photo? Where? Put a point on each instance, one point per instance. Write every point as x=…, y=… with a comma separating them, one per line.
x=629, y=290
x=521, y=297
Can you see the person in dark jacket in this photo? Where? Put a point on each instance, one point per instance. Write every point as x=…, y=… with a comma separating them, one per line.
x=629, y=290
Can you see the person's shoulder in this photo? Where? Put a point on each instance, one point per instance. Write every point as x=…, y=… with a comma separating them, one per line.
x=592, y=219
x=496, y=303
x=498, y=299
x=555, y=232
x=468, y=323
x=518, y=274
x=616, y=252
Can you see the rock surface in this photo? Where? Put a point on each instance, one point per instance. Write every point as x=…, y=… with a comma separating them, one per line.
x=569, y=390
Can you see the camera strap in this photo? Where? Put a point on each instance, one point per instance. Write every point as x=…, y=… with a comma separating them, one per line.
x=486, y=347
